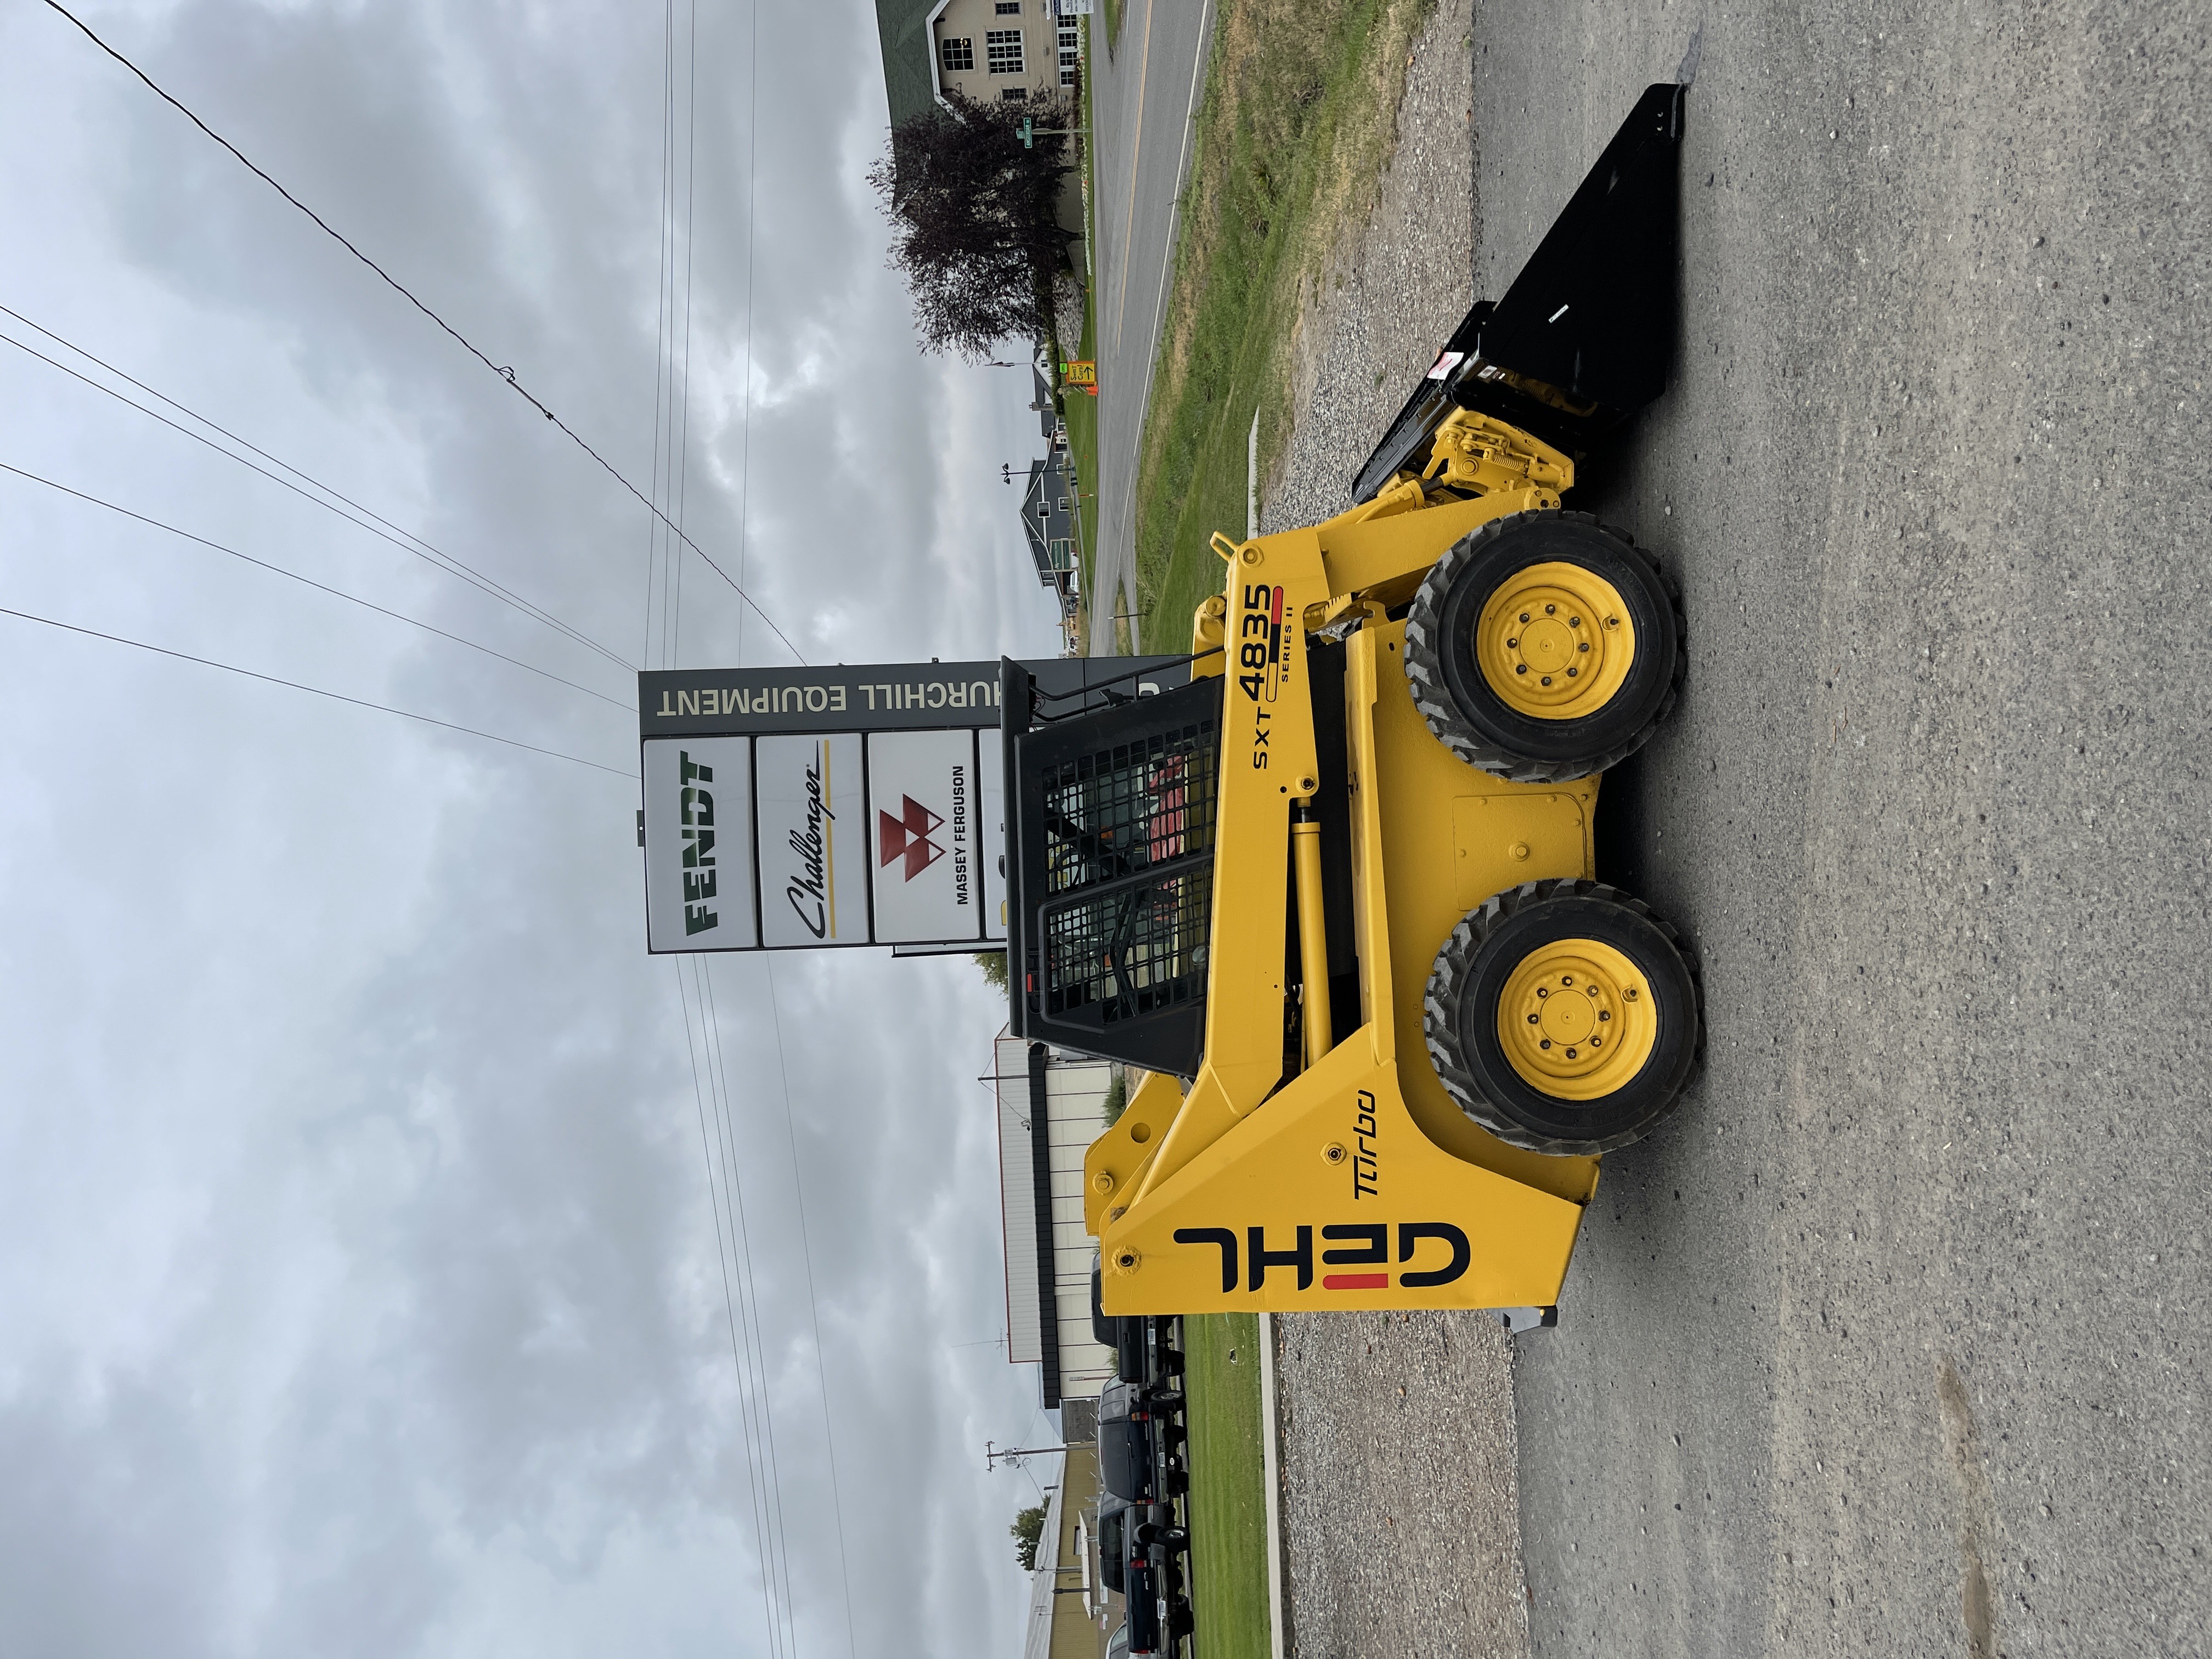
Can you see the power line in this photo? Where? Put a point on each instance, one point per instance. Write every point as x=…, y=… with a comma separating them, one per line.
x=405, y=540
x=714, y=1199
x=660, y=319
x=752, y=238
x=309, y=581
x=316, y=690
x=680, y=456
x=813, y=1303
x=505, y=372
x=751, y=1291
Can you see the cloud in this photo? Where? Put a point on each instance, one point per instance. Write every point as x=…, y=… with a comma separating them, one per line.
x=358, y=1253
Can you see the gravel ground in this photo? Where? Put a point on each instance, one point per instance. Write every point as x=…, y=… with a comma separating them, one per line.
x=1401, y=1516
x=1399, y=285
x=1895, y=1341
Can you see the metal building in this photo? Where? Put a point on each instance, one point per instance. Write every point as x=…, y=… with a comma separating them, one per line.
x=1051, y=1108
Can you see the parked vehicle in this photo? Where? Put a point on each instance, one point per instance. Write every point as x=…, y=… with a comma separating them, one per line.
x=1147, y=1348
x=1126, y=1567
x=1138, y=1437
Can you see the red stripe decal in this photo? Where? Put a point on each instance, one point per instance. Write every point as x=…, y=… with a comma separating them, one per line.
x=1356, y=1282
x=1276, y=614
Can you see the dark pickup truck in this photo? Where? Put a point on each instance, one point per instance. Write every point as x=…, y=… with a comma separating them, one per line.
x=1140, y=1440
x=1147, y=1348
x=1140, y=1538
x=1137, y=1560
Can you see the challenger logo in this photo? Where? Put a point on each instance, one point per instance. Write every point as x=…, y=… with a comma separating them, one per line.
x=1358, y=1244
x=812, y=891
x=907, y=837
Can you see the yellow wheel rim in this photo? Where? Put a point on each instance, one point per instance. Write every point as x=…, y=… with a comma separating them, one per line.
x=1555, y=642
x=1576, y=1019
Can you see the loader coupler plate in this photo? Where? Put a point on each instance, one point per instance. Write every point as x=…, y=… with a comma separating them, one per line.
x=1585, y=334
x=1331, y=1197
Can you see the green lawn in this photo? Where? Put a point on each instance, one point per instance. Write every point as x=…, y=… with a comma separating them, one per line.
x=1228, y=1487
x=1296, y=122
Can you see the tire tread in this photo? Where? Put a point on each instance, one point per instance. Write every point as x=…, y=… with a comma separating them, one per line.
x=1425, y=647
x=1448, y=980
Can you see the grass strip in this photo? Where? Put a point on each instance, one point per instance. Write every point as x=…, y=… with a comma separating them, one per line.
x=1228, y=1487
x=1297, y=119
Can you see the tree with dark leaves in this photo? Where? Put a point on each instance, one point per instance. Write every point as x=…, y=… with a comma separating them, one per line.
x=975, y=229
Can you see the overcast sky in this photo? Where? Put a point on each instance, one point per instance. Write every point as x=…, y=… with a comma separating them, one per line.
x=358, y=1276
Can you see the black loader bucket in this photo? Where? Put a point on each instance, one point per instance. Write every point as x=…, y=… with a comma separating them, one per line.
x=1582, y=338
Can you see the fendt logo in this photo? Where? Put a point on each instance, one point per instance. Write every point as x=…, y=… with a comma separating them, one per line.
x=907, y=837
x=698, y=816
x=1372, y=1240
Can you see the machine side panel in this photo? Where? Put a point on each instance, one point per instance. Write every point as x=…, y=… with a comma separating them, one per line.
x=1452, y=836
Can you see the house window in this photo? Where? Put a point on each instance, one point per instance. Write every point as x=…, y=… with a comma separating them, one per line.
x=957, y=52
x=1008, y=8
x=1071, y=43
x=1014, y=95
x=1003, y=48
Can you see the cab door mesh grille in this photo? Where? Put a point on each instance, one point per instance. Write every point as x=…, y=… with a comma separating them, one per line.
x=1117, y=822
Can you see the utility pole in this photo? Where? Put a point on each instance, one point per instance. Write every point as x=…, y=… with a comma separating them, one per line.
x=1013, y=1456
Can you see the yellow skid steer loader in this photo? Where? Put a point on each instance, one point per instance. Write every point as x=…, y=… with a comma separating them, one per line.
x=1336, y=898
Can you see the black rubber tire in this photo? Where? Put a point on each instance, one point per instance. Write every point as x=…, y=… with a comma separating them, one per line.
x=1471, y=720
x=1460, y=1017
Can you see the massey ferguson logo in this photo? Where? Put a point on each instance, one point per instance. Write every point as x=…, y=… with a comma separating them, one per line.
x=907, y=837
x=1361, y=1245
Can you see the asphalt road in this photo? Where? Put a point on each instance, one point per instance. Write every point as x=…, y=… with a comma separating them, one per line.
x=1143, y=100
x=1895, y=1341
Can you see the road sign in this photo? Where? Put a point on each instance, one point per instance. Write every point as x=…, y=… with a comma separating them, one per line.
x=1082, y=371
